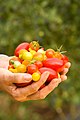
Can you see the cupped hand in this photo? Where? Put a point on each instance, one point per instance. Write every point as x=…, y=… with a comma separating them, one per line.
x=41, y=94
x=7, y=80
x=30, y=92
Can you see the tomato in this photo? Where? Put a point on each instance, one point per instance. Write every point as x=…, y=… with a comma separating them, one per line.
x=36, y=76
x=23, y=45
x=32, y=68
x=53, y=74
x=21, y=68
x=10, y=66
x=16, y=64
x=21, y=53
x=38, y=56
x=65, y=59
x=49, y=53
x=32, y=51
x=54, y=63
x=39, y=64
x=26, y=63
x=13, y=70
x=57, y=55
x=34, y=45
x=14, y=58
x=41, y=51
x=27, y=56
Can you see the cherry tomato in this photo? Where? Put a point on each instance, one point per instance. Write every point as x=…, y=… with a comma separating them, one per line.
x=23, y=45
x=36, y=76
x=32, y=51
x=16, y=64
x=54, y=63
x=32, y=68
x=57, y=55
x=34, y=45
x=21, y=53
x=39, y=64
x=13, y=70
x=26, y=62
x=14, y=58
x=10, y=66
x=27, y=56
x=41, y=51
x=49, y=53
x=38, y=56
x=21, y=68
x=65, y=59
x=53, y=74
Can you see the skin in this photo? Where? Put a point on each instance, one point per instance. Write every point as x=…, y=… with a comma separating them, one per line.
x=30, y=92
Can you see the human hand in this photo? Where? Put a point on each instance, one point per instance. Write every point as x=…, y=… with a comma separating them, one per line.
x=41, y=94
x=7, y=80
x=30, y=92
x=37, y=94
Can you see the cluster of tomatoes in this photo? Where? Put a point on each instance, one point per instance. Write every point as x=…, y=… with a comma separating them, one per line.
x=33, y=59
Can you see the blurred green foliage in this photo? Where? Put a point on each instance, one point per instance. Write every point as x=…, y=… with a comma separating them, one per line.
x=53, y=23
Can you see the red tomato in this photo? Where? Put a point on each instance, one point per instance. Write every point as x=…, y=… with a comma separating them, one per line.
x=34, y=45
x=32, y=68
x=65, y=59
x=38, y=64
x=10, y=66
x=23, y=45
x=54, y=63
x=49, y=53
x=53, y=74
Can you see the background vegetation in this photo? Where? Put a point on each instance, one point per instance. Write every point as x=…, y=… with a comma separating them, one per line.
x=53, y=23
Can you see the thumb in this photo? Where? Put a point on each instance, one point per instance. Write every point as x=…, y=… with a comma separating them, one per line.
x=21, y=78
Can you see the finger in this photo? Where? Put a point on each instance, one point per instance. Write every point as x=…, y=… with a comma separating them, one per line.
x=67, y=65
x=34, y=86
x=43, y=92
x=63, y=77
x=20, y=78
x=65, y=71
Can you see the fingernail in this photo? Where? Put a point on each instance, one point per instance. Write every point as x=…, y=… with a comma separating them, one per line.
x=27, y=77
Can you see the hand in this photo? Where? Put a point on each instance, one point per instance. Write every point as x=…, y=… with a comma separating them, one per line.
x=30, y=92
x=7, y=80
x=41, y=94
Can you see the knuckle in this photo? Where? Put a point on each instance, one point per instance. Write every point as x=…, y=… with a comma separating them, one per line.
x=15, y=95
x=34, y=88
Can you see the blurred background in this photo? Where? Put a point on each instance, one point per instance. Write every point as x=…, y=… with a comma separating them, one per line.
x=53, y=23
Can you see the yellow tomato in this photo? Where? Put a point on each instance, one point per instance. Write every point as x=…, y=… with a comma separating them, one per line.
x=35, y=76
x=32, y=51
x=27, y=56
x=41, y=51
x=25, y=62
x=21, y=68
x=21, y=52
x=38, y=56
x=13, y=70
